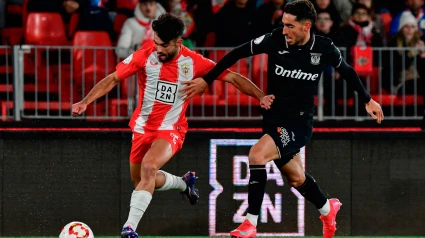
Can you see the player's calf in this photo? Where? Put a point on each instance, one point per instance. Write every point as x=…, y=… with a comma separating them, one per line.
x=296, y=179
x=147, y=177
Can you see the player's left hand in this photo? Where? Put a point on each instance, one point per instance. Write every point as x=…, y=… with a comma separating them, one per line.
x=375, y=111
x=193, y=87
x=266, y=101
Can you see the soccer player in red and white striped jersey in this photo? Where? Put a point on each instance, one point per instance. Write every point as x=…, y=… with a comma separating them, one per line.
x=159, y=124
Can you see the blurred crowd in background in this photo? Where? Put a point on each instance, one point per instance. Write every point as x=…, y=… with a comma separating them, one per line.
x=355, y=25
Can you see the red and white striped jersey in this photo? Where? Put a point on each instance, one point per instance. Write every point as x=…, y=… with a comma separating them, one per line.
x=160, y=107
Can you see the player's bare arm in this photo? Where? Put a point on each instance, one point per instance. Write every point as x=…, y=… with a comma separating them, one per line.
x=372, y=107
x=99, y=90
x=199, y=85
x=247, y=87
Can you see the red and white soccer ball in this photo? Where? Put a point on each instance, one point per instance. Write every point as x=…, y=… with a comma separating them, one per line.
x=76, y=229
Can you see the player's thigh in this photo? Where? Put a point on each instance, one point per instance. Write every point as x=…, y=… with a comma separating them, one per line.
x=139, y=147
x=289, y=139
x=156, y=157
x=293, y=170
x=263, y=151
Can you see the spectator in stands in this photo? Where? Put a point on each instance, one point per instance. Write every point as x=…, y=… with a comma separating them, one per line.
x=327, y=5
x=137, y=30
x=416, y=7
x=360, y=30
x=91, y=16
x=202, y=13
x=376, y=18
x=324, y=27
x=344, y=8
x=183, y=8
x=233, y=23
x=408, y=35
x=267, y=17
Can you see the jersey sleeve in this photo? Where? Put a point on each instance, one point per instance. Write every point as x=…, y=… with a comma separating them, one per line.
x=335, y=56
x=203, y=66
x=134, y=62
x=264, y=43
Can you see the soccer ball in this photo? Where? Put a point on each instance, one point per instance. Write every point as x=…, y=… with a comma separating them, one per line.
x=76, y=229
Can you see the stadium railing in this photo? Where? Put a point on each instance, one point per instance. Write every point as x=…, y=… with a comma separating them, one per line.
x=6, y=83
x=43, y=81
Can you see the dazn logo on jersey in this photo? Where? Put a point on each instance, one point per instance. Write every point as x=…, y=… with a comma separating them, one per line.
x=166, y=92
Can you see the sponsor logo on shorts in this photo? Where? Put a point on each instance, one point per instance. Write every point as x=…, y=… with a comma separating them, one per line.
x=175, y=137
x=166, y=92
x=284, y=136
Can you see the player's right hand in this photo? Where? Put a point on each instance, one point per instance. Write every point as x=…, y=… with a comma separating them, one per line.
x=267, y=101
x=193, y=87
x=375, y=111
x=78, y=108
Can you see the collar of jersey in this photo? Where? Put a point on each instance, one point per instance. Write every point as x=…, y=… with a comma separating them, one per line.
x=307, y=46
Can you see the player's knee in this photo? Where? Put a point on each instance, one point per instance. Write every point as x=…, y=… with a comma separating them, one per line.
x=256, y=156
x=149, y=170
x=296, y=179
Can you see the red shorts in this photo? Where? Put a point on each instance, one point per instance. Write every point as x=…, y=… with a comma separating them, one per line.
x=142, y=142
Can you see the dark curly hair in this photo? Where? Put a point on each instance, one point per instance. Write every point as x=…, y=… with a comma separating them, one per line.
x=168, y=27
x=302, y=9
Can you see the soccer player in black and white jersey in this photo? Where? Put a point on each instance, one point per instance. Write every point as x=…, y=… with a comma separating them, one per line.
x=296, y=58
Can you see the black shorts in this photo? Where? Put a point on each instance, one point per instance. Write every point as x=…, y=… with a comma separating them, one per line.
x=289, y=138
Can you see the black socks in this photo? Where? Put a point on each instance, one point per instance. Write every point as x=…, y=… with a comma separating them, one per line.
x=256, y=188
x=311, y=191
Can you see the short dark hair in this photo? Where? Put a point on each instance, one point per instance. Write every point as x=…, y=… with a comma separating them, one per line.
x=358, y=6
x=168, y=27
x=302, y=9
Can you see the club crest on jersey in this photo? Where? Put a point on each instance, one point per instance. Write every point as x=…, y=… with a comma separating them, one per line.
x=315, y=58
x=185, y=69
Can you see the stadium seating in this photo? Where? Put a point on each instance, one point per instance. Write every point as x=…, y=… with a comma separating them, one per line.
x=45, y=29
x=99, y=61
x=211, y=96
x=91, y=65
x=259, y=70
